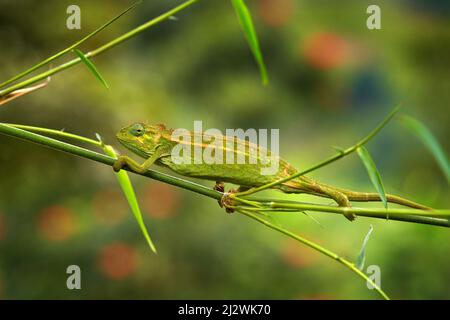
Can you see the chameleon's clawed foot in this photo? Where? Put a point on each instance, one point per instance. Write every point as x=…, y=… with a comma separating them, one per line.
x=119, y=164
x=226, y=201
x=125, y=162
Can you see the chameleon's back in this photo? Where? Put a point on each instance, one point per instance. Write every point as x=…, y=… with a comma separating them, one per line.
x=224, y=158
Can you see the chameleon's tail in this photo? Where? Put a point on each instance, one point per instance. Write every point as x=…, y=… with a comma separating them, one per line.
x=343, y=196
x=366, y=196
x=369, y=196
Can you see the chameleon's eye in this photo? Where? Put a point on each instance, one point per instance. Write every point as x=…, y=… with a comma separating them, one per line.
x=137, y=130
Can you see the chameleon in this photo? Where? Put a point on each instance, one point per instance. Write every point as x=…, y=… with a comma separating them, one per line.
x=155, y=144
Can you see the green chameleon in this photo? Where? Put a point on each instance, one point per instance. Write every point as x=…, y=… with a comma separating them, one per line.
x=155, y=143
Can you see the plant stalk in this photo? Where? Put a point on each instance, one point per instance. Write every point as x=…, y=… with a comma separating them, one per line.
x=405, y=215
x=99, y=50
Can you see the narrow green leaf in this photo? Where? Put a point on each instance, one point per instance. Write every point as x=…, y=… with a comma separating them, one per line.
x=427, y=138
x=91, y=67
x=246, y=22
x=373, y=173
x=361, y=259
x=128, y=190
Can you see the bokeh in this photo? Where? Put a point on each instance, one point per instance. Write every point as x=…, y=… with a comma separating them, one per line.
x=331, y=81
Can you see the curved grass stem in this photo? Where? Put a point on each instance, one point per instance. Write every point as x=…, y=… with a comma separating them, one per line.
x=318, y=248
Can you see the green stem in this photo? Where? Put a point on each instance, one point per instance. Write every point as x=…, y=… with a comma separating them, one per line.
x=327, y=161
x=99, y=50
x=59, y=133
x=405, y=215
x=95, y=156
x=318, y=248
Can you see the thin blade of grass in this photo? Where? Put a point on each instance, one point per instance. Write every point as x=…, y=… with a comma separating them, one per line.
x=428, y=139
x=374, y=175
x=246, y=22
x=91, y=67
x=361, y=259
x=73, y=46
x=127, y=188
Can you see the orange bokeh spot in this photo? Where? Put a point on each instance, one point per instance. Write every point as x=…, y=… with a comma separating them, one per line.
x=56, y=223
x=325, y=50
x=276, y=13
x=110, y=206
x=118, y=261
x=160, y=200
x=296, y=255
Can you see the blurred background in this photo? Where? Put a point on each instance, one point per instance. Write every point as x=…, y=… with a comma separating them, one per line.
x=331, y=81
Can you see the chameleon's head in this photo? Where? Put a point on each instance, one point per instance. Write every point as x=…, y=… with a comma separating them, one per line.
x=141, y=138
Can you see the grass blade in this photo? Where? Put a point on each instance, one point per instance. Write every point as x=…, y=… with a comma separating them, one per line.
x=91, y=67
x=73, y=46
x=128, y=190
x=361, y=259
x=373, y=173
x=21, y=92
x=427, y=138
x=246, y=22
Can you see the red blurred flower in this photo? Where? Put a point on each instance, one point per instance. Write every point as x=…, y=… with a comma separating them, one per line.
x=296, y=255
x=276, y=13
x=325, y=50
x=160, y=200
x=117, y=260
x=56, y=223
x=110, y=206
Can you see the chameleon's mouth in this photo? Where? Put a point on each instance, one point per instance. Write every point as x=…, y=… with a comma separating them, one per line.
x=132, y=146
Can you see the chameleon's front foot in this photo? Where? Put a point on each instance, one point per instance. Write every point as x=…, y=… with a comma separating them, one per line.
x=124, y=161
x=226, y=201
x=119, y=164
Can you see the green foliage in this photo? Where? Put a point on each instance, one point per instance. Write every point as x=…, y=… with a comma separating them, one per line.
x=91, y=67
x=246, y=22
x=374, y=175
x=428, y=139
x=127, y=188
x=152, y=94
x=361, y=259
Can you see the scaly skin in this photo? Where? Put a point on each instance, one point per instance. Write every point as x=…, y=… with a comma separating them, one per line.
x=154, y=143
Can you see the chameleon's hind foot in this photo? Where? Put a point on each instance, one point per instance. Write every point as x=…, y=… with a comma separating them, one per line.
x=225, y=201
x=219, y=186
